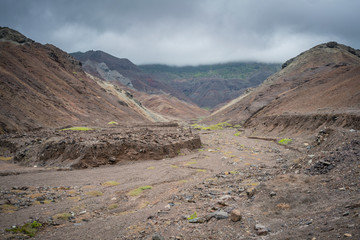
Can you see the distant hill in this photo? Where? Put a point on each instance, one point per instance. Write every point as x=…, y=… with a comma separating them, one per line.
x=155, y=95
x=211, y=85
x=320, y=86
x=44, y=87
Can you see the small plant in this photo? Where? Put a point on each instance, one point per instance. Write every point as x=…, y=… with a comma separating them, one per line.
x=192, y=216
x=110, y=183
x=29, y=229
x=285, y=141
x=139, y=190
x=5, y=158
x=113, y=206
x=201, y=170
x=94, y=193
x=112, y=123
x=237, y=134
x=237, y=126
x=77, y=129
x=150, y=168
x=62, y=216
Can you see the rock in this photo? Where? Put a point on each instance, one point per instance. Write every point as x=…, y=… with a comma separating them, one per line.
x=235, y=215
x=197, y=220
x=261, y=230
x=331, y=44
x=250, y=192
x=157, y=236
x=221, y=214
x=272, y=194
x=347, y=235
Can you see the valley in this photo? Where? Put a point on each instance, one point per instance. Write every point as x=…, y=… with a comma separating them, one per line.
x=94, y=147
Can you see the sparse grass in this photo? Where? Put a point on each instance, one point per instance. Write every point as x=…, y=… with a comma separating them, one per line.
x=5, y=158
x=77, y=129
x=234, y=172
x=62, y=216
x=283, y=206
x=237, y=134
x=150, y=168
x=192, y=216
x=201, y=170
x=110, y=183
x=94, y=193
x=29, y=229
x=113, y=206
x=285, y=141
x=174, y=166
x=183, y=181
x=7, y=208
x=112, y=123
x=138, y=191
x=190, y=163
x=237, y=126
x=218, y=126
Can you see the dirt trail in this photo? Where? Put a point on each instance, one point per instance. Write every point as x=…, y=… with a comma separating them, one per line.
x=260, y=178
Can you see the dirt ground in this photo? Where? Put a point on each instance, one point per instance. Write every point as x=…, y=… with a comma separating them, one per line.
x=240, y=187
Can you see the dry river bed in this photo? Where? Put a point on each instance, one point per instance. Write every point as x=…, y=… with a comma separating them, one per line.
x=234, y=187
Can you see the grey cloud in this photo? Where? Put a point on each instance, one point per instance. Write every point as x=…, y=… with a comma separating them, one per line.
x=187, y=31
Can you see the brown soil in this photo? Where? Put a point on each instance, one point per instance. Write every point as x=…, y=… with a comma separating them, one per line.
x=308, y=189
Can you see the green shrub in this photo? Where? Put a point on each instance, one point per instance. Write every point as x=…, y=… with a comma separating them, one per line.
x=139, y=190
x=192, y=216
x=29, y=229
x=285, y=141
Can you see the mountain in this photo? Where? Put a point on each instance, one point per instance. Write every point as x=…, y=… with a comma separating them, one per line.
x=320, y=86
x=155, y=95
x=42, y=86
x=123, y=71
x=211, y=85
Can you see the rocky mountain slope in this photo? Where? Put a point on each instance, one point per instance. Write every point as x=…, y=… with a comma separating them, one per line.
x=211, y=85
x=321, y=85
x=153, y=94
x=42, y=86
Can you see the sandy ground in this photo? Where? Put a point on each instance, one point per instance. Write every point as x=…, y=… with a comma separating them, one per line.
x=269, y=184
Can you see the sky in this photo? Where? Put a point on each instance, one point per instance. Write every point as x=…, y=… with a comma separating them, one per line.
x=186, y=32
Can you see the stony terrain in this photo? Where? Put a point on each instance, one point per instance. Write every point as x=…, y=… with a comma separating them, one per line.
x=241, y=187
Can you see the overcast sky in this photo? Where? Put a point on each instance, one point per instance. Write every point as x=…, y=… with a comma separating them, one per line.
x=186, y=32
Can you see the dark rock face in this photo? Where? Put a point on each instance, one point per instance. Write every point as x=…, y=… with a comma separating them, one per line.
x=7, y=34
x=331, y=44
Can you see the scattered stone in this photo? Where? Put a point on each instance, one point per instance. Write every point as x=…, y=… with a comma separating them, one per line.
x=235, y=215
x=347, y=235
x=261, y=230
x=157, y=236
x=250, y=192
x=197, y=220
x=272, y=194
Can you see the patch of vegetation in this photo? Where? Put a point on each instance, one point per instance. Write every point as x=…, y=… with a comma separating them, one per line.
x=110, y=183
x=190, y=163
x=7, y=208
x=201, y=170
x=94, y=193
x=183, y=181
x=174, y=166
x=150, y=168
x=62, y=216
x=77, y=129
x=237, y=126
x=5, y=158
x=237, y=134
x=113, y=206
x=285, y=141
x=29, y=229
x=138, y=191
x=192, y=216
x=112, y=123
x=218, y=126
